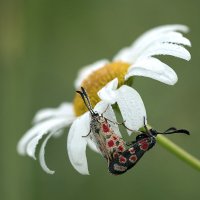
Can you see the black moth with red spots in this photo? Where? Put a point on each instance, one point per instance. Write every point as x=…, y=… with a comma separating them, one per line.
x=137, y=149
x=132, y=155
x=120, y=155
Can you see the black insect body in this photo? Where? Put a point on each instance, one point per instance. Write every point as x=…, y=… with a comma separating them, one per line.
x=144, y=142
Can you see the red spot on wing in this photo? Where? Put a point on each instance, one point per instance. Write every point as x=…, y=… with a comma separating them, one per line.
x=114, y=137
x=110, y=143
x=122, y=159
x=106, y=128
x=133, y=158
x=121, y=148
x=144, y=145
x=115, y=155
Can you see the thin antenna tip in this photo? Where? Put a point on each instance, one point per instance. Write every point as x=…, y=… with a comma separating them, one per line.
x=77, y=91
x=186, y=132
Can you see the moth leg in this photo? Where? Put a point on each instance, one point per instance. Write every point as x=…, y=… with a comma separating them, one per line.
x=145, y=127
x=87, y=134
x=121, y=123
x=105, y=109
x=114, y=122
x=170, y=129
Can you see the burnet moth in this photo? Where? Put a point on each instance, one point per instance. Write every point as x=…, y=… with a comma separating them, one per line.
x=144, y=141
x=120, y=155
x=107, y=142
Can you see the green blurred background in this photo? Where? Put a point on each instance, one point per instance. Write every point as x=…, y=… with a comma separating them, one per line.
x=43, y=43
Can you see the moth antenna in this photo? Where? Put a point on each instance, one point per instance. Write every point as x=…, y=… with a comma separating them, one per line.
x=174, y=130
x=85, y=102
x=87, y=98
x=170, y=129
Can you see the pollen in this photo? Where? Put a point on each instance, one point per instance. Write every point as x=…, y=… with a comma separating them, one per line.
x=97, y=80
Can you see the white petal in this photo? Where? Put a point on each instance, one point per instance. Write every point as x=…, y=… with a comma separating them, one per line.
x=155, y=69
x=166, y=49
x=92, y=145
x=64, y=110
x=125, y=55
x=30, y=147
x=158, y=35
x=174, y=37
x=76, y=144
x=42, y=156
x=58, y=133
x=29, y=141
x=86, y=71
x=131, y=107
x=107, y=93
x=154, y=35
x=101, y=107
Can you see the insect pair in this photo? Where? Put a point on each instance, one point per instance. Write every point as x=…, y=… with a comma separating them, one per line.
x=120, y=155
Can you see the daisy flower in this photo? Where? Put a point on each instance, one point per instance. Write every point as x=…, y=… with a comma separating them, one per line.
x=108, y=82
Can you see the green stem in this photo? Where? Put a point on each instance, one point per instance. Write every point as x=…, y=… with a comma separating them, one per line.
x=178, y=151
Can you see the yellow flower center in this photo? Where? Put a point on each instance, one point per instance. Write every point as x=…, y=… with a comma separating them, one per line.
x=97, y=80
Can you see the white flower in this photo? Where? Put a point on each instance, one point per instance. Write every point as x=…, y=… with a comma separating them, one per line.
x=163, y=40
x=108, y=79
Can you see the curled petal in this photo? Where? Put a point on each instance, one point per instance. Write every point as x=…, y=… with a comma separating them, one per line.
x=152, y=39
x=155, y=36
x=155, y=69
x=86, y=71
x=167, y=49
x=28, y=143
x=76, y=144
x=107, y=93
x=64, y=110
x=42, y=156
x=174, y=37
x=46, y=121
x=32, y=144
